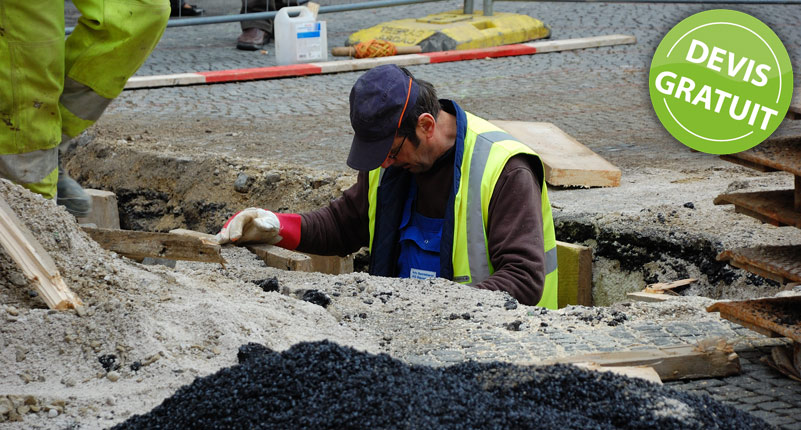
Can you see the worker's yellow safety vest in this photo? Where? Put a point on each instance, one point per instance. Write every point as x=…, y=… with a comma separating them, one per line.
x=487, y=148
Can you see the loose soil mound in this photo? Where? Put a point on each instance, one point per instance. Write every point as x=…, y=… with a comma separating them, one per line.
x=324, y=385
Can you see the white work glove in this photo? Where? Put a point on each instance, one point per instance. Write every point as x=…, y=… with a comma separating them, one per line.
x=251, y=225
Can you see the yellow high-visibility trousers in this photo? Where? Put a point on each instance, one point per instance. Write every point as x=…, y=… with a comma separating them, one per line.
x=52, y=89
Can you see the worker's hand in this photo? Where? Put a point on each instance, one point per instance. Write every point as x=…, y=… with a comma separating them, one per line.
x=251, y=225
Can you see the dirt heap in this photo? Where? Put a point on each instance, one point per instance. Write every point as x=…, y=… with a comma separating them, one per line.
x=147, y=330
x=323, y=385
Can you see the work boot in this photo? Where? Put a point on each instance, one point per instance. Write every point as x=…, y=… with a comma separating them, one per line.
x=71, y=195
x=252, y=39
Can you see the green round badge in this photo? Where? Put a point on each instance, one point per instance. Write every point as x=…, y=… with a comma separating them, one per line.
x=721, y=81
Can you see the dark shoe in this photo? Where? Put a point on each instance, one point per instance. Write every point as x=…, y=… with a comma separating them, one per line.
x=72, y=196
x=252, y=39
x=187, y=9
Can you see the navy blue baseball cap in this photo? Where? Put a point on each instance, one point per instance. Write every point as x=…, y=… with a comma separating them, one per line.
x=379, y=101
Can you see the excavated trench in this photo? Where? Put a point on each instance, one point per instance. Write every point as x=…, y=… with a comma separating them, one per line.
x=160, y=192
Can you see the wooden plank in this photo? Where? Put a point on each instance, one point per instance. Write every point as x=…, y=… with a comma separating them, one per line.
x=747, y=163
x=780, y=153
x=192, y=233
x=35, y=262
x=105, y=213
x=666, y=286
x=280, y=258
x=643, y=372
x=642, y=296
x=575, y=274
x=137, y=245
x=285, y=259
x=567, y=162
x=275, y=256
x=670, y=363
x=773, y=207
x=781, y=263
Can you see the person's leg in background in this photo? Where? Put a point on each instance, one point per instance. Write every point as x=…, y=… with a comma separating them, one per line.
x=181, y=8
x=110, y=42
x=255, y=34
x=31, y=79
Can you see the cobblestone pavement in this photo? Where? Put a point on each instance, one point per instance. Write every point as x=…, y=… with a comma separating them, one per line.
x=599, y=96
x=415, y=321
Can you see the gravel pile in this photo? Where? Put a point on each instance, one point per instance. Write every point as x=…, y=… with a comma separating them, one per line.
x=324, y=385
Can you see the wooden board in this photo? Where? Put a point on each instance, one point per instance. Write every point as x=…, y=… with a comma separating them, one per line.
x=575, y=274
x=774, y=316
x=643, y=372
x=567, y=162
x=285, y=259
x=780, y=263
x=35, y=262
x=779, y=153
x=137, y=245
x=280, y=258
x=105, y=213
x=671, y=363
x=641, y=296
x=772, y=207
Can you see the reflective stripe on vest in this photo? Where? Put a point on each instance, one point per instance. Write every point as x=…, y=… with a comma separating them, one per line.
x=488, y=148
x=28, y=167
x=82, y=101
x=477, y=255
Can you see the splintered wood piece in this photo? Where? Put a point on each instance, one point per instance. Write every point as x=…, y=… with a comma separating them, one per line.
x=662, y=287
x=137, y=245
x=35, y=262
x=642, y=296
x=670, y=363
x=567, y=162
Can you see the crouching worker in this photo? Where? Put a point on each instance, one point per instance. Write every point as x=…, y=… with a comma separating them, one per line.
x=440, y=193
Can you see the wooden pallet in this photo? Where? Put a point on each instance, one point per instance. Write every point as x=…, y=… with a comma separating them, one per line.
x=782, y=153
x=772, y=207
x=780, y=263
x=775, y=316
x=779, y=208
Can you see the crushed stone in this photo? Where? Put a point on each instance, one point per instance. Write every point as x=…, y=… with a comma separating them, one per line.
x=322, y=385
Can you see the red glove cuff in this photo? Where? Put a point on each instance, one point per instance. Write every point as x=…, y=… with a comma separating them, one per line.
x=289, y=231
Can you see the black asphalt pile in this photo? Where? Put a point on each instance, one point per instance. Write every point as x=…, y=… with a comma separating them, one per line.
x=326, y=386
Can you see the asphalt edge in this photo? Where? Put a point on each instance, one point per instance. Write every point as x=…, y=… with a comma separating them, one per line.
x=352, y=65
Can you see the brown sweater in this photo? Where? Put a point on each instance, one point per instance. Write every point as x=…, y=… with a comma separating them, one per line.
x=514, y=226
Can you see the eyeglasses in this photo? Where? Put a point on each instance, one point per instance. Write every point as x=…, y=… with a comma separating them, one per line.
x=394, y=154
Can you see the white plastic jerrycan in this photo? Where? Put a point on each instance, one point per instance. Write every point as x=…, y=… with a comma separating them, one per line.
x=299, y=38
